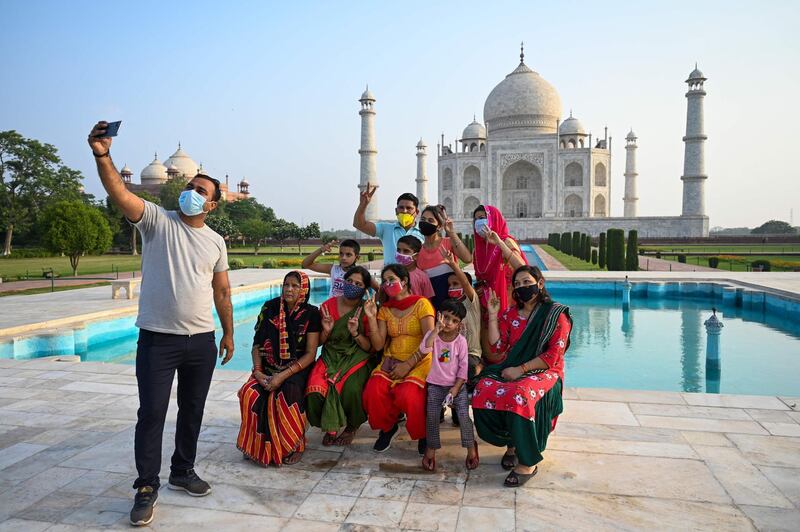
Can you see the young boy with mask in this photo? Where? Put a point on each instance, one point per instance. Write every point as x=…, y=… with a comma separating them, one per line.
x=349, y=252
x=407, y=248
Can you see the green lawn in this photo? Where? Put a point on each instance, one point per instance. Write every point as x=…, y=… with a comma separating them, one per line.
x=729, y=249
x=32, y=291
x=12, y=269
x=570, y=262
x=741, y=263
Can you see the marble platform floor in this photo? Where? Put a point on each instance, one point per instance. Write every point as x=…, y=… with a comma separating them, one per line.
x=619, y=460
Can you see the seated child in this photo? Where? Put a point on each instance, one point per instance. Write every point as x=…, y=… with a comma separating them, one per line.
x=349, y=251
x=445, y=382
x=407, y=248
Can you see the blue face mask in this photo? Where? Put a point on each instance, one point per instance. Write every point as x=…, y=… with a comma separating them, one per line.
x=481, y=224
x=352, y=292
x=191, y=203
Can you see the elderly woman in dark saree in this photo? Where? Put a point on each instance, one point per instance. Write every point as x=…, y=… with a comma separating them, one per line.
x=272, y=401
x=337, y=381
x=517, y=397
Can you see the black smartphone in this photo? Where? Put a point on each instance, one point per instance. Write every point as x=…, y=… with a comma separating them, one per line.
x=111, y=130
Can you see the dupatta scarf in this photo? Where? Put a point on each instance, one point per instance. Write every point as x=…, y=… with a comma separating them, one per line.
x=489, y=264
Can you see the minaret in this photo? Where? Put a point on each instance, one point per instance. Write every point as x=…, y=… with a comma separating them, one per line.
x=368, y=151
x=694, y=166
x=630, y=199
x=422, y=174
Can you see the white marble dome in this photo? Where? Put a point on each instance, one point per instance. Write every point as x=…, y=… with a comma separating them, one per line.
x=475, y=130
x=696, y=74
x=571, y=126
x=367, y=95
x=155, y=172
x=185, y=165
x=631, y=135
x=523, y=102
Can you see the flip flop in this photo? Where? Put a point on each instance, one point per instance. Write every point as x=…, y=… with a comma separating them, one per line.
x=509, y=461
x=329, y=439
x=345, y=438
x=475, y=462
x=429, y=464
x=516, y=480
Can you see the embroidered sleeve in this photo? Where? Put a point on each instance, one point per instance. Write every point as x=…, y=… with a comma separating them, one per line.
x=424, y=308
x=383, y=314
x=554, y=352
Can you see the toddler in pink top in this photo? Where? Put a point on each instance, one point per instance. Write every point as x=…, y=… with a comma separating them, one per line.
x=446, y=378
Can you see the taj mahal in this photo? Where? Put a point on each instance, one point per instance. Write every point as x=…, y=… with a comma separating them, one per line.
x=546, y=174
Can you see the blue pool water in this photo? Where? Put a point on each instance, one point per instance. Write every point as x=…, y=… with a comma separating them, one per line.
x=532, y=256
x=659, y=344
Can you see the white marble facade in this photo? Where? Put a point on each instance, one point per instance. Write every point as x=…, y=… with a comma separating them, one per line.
x=548, y=175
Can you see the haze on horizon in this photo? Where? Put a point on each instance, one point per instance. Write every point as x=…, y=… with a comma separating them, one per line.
x=269, y=91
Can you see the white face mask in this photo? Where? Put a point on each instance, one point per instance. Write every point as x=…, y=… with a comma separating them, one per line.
x=191, y=203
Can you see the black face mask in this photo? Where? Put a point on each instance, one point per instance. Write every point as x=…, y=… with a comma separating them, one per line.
x=523, y=294
x=427, y=228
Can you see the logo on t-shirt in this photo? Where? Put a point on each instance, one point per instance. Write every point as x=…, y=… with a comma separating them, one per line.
x=444, y=356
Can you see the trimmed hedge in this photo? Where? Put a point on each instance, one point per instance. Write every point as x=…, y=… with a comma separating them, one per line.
x=682, y=259
x=576, y=244
x=566, y=243
x=594, y=256
x=235, y=264
x=601, y=253
x=713, y=262
x=587, y=250
x=616, y=250
x=632, y=254
x=556, y=241
x=269, y=264
x=761, y=265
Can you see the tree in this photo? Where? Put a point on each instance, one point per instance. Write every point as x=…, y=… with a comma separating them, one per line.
x=171, y=191
x=31, y=176
x=256, y=230
x=74, y=229
x=601, y=251
x=774, y=227
x=308, y=232
x=247, y=209
x=566, y=243
x=283, y=230
x=576, y=244
x=632, y=254
x=221, y=224
x=587, y=249
x=616, y=250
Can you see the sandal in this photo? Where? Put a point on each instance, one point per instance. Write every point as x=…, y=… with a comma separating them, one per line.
x=429, y=464
x=329, y=439
x=345, y=438
x=474, y=462
x=516, y=480
x=293, y=458
x=509, y=461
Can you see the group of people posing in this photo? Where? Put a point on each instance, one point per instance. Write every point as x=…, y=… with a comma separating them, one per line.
x=403, y=348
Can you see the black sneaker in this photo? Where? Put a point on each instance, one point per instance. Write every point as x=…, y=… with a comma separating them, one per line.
x=143, y=503
x=190, y=483
x=456, y=421
x=384, y=440
x=422, y=444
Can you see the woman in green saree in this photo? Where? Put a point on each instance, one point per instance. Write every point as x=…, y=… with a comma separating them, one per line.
x=333, y=394
x=517, y=397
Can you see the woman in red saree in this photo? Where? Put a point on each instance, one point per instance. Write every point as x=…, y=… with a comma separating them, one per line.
x=272, y=401
x=517, y=397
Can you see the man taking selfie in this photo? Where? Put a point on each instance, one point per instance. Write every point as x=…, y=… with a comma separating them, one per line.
x=389, y=233
x=184, y=267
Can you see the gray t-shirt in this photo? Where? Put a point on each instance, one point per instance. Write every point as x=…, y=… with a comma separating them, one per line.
x=178, y=264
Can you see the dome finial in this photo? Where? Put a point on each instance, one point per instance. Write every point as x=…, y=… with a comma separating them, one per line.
x=570, y=112
x=179, y=144
x=522, y=52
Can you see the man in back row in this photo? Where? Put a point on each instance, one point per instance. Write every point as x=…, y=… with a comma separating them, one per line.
x=184, y=267
x=389, y=233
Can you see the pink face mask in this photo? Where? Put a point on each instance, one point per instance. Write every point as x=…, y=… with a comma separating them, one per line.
x=405, y=260
x=392, y=289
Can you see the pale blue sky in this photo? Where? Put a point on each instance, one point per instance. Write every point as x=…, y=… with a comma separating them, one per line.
x=268, y=91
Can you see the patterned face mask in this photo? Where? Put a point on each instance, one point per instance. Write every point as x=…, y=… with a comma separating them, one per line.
x=352, y=292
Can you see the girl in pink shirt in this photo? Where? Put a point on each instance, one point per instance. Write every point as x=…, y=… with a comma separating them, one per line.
x=446, y=380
